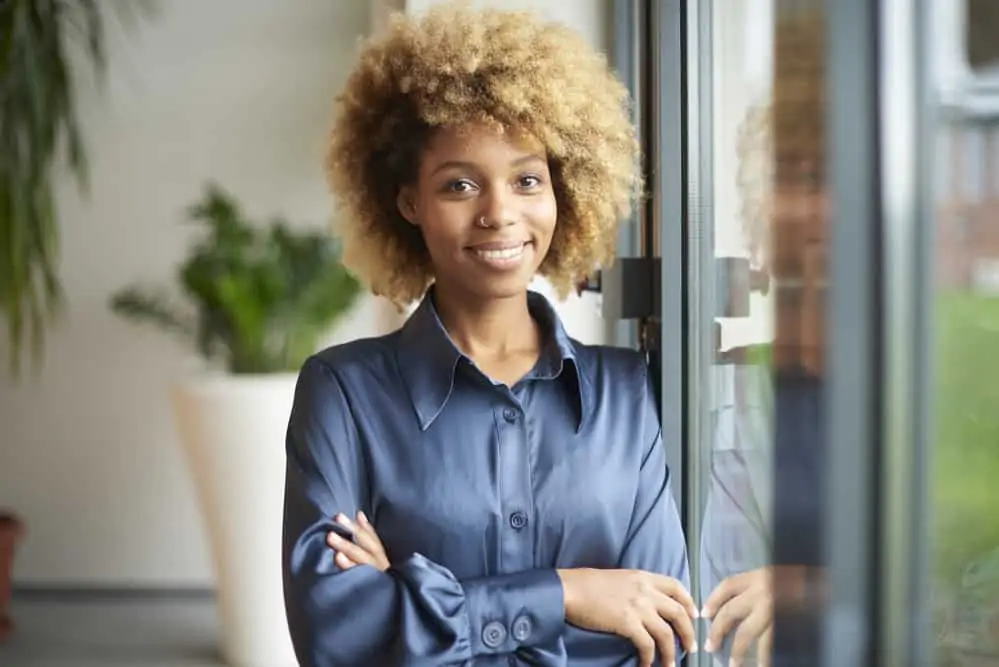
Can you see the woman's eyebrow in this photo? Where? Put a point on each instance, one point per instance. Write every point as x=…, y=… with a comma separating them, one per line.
x=471, y=166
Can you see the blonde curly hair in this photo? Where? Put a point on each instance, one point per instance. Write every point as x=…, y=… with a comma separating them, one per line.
x=509, y=70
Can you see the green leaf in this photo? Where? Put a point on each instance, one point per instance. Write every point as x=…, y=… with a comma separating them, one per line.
x=39, y=127
x=264, y=295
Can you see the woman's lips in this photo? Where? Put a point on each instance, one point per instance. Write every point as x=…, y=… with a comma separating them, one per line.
x=501, y=255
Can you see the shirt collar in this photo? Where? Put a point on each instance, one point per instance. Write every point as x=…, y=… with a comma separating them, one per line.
x=428, y=359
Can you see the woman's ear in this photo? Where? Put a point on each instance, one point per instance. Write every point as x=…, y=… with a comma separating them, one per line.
x=406, y=202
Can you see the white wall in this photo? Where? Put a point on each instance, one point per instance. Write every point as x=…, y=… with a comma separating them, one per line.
x=238, y=91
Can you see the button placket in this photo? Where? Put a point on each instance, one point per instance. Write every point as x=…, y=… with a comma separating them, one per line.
x=516, y=489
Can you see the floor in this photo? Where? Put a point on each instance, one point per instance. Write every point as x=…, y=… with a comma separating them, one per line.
x=87, y=631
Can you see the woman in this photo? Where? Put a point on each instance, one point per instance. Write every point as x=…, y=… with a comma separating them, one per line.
x=477, y=487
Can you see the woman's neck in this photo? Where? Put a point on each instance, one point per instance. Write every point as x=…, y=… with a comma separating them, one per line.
x=491, y=330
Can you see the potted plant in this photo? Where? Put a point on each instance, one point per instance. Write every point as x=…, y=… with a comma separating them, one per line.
x=261, y=300
x=39, y=127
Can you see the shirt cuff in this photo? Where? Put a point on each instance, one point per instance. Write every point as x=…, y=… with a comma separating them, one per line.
x=511, y=611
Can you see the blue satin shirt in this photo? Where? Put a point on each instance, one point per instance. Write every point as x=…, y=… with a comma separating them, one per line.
x=479, y=492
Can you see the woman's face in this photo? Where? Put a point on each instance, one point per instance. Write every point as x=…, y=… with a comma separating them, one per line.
x=485, y=205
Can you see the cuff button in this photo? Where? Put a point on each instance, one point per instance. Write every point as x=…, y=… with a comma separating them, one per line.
x=522, y=628
x=493, y=634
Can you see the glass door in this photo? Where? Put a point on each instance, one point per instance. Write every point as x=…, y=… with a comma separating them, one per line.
x=764, y=178
x=824, y=181
x=756, y=243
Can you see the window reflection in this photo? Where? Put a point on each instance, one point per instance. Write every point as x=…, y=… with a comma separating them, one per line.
x=763, y=510
x=761, y=551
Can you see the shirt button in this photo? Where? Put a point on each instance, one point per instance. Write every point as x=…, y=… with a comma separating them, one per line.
x=522, y=628
x=510, y=415
x=494, y=634
x=518, y=520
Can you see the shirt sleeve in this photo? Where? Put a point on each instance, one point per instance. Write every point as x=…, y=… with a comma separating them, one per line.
x=416, y=613
x=655, y=543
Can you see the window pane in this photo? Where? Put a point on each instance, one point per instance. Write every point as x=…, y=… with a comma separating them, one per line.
x=758, y=243
x=964, y=444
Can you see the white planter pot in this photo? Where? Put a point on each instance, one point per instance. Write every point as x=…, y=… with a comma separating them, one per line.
x=233, y=433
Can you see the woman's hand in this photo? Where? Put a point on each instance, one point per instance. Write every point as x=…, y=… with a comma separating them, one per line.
x=365, y=549
x=743, y=603
x=648, y=609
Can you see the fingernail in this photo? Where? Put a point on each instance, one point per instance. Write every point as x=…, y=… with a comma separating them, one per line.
x=363, y=517
x=709, y=646
x=342, y=519
x=705, y=613
x=332, y=538
x=734, y=663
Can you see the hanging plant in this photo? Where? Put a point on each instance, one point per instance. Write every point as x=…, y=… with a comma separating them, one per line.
x=39, y=127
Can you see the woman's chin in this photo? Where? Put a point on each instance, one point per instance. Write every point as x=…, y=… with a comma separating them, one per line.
x=492, y=288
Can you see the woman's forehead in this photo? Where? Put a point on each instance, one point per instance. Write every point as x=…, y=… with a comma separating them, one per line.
x=472, y=138
x=479, y=140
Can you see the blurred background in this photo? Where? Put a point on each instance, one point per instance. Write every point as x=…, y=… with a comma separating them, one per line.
x=815, y=277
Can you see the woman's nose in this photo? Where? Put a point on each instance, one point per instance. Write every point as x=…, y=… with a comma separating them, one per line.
x=498, y=210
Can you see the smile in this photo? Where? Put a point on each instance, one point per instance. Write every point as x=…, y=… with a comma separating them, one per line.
x=505, y=256
x=505, y=253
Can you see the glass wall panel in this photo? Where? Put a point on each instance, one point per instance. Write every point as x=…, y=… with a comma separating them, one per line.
x=963, y=456
x=757, y=236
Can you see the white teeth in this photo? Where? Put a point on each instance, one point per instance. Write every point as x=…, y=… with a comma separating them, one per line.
x=506, y=253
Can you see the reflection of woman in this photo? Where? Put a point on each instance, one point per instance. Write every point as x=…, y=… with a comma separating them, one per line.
x=786, y=220
x=478, y=486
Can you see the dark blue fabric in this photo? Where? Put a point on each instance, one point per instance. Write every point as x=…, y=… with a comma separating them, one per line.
x=800, y=443
x=478, y=491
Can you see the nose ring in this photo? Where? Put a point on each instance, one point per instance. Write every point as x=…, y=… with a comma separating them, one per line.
x=482, y=222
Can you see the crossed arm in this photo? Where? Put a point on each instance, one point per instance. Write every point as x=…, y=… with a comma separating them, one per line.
x=416, y=612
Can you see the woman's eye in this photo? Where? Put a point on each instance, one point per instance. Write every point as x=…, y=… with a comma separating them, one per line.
x=529, y=182
x=460, y=186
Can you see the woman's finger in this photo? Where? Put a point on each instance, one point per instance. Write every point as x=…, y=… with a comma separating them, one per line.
x=643, y=641
x=369, y=538
x=765, y=647
x=673, y=612
x=662, y=635
x=723, y=592
x=748, y=631
x=354, y=552
x=365, y=536
x=362, y=519
x=343, y=562
x=674, y=589
x=726, y=618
